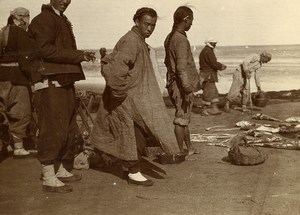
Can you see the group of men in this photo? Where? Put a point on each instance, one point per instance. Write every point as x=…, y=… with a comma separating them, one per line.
x=240, y=89
x=43, y=56
x=132, y=112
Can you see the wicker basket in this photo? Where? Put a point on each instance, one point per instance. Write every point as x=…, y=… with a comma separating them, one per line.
x=260, y=102
x=260, y=99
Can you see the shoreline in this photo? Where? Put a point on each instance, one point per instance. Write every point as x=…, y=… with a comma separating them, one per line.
x=97, y=86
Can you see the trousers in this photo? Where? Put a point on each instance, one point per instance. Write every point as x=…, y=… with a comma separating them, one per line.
x=56, y=113
x=17, y=104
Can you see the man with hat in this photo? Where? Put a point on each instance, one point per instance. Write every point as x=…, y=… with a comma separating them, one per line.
x=15, y=51
x=208, y=76
x=239, y=90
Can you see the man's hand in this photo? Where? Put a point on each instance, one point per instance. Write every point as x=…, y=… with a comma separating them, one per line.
x=248, y=75
x=89, y=56
x=258, y=89
x=223, y=67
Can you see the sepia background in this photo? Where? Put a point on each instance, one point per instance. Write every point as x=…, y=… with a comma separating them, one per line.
x=240, y=27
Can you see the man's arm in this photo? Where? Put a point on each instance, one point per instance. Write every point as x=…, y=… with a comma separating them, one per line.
x=213, y=63
x=181, y=51
x=117, y=65
x=43, y=30
x=257, y=80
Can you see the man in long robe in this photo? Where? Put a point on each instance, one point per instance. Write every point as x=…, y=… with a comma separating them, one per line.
x=132, y=103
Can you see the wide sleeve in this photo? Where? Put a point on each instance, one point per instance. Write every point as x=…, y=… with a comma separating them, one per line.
x=44, y=31
x=116, y=66
x=257, y=78
x=181, y=52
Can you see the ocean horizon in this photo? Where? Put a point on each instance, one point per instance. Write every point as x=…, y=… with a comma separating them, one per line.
x=281, y=73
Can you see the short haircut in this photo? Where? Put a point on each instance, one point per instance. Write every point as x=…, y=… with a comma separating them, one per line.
x=144, y=11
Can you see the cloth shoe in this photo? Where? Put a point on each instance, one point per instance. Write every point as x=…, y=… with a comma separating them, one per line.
x=21, y=153
x=204, y=111
x=139, y=179
x=51, y=183
x=65, y=176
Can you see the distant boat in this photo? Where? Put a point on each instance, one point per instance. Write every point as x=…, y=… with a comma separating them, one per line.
x=194, y=49
x=246, y=47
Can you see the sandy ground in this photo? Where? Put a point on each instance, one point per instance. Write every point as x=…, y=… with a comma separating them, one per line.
x=208, y=185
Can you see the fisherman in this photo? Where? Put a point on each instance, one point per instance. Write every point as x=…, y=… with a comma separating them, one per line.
x=182, y=76
x=208, y=76
x=55, y=99
x=240, y=87
x=132, y=105
x=15, y=77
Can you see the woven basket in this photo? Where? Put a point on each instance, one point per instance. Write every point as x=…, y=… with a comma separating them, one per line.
x=260, y=102
x=244, y=160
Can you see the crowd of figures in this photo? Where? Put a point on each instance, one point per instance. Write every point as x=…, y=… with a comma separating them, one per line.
x=42, y=56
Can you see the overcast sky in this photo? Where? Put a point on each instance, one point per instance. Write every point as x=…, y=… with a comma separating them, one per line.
x=100, y=23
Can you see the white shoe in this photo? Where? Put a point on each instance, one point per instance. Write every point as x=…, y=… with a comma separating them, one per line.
x=21, y=153
x=62, y=172
x=137, y=176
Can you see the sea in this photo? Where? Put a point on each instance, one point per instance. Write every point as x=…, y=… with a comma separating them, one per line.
x=281, y=73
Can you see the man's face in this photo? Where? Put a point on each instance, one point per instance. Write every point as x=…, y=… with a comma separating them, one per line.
x=146, y=25
x=60, y=5
x=213, y=44
x=22, y=20
x=189, y=23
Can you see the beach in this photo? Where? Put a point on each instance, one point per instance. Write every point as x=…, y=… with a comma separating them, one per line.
x=209, y=185
x=281, y=73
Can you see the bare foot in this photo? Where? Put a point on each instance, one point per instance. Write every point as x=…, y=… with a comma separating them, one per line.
x=190, y=154
x=190, y=157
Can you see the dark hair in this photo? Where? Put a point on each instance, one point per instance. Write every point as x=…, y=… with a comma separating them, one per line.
x=10, y=20
x=182, y=13
x=144, y=11
x=102, y=52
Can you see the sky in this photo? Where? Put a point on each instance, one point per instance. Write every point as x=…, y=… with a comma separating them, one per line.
x=101, y=23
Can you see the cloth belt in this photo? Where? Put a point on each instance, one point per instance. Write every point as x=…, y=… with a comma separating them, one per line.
x=13, y=64
x=45, y=84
